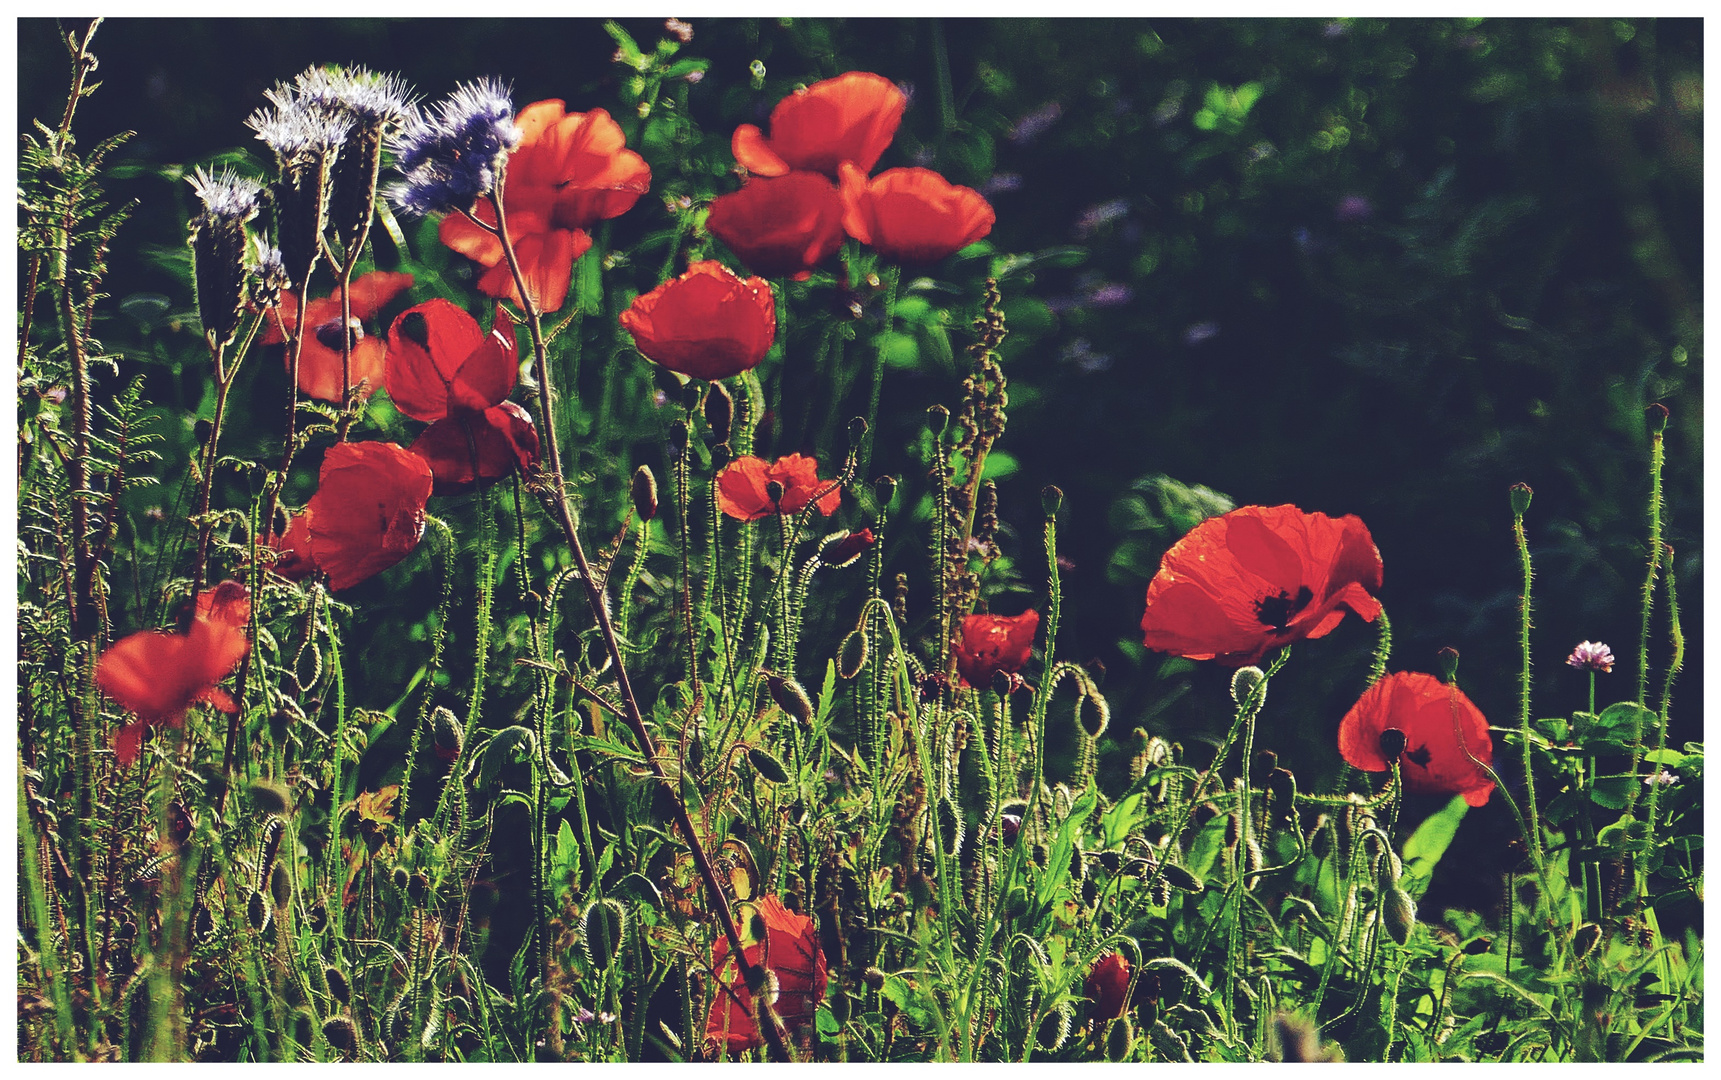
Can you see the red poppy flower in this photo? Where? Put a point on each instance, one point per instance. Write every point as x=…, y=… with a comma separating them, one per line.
x=368, y=512
x=782, y=226
x=912, y=215
x=743, y=487
x=1107, y=987
x=441, y=364
x=293, y=559
x=989, y=644
x=706, y=324
x=502, y=438
x=570, y=171
x=790, y=952
x=852, y=117
x=157, y=676
x=1258, y=577
x=1443, y=731
x=320, y=355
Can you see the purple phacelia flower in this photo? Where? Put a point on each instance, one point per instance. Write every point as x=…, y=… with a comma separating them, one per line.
x=370, y=99
x=1200, y=332
x=999, y=183
x=1082, y=354
x=1353, y=208
x=449, y=158
x=1099, y=215
x=1036, y=123
x=297, y=127
x=1108, y=294
x=1591, y=656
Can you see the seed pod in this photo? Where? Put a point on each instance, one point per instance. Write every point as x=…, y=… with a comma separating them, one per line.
x=791, y=697
x=601, y=932
x=644, y=492
x=281, y=885
x=721, y=455
x=719, y=412
x=1051, y=500
x=1244, y=681
x=1091, y=891
x=1392, y=743
x=270, y=797
x=1180, y=878
x=1520, y=494
x=936, y=418
x=885, y=488
x=342, y=1035
x=338, y=988
x=767, y=765
x=1398, y=913
x=418, y=887
x=678, y=437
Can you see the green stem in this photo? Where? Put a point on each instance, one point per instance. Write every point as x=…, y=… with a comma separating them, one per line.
x=1533, y=835
x=1656, y=460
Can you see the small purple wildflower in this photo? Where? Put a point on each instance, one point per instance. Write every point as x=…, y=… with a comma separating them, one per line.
x=227, y=197
x=1108, y=294
x=1080, y=352
x=450, y=158
x=1660, y=778
x=1353, y=208
x=1201, y=331
x=1099, y=215
x=999, y=183
x=1036, y=123
x=1591, y=656
x=297, y=128
x=370, y=99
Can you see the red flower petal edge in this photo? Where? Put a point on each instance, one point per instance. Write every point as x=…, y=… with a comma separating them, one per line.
x=1446, y=740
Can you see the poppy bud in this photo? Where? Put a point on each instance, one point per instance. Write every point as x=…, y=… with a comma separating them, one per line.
x=341, y=1034
x=1009, y=826
x=721, y=455
x=1447, y=659
x=885, y=488
x=678, y=437
x=270, y=797
x=281, y=885
x=936, y=418
x=1244, y=682
x=1392, y=743
x=1520, y=498
x=338, y=987
x=418, y=887
x=1398, y=913
x=719, y=412
x=857, y=430
x=1120, y=1039
x=1181, y=878
x=791, y=697
x=447, y=732
x=201, y=430
x=319, y=919
x=853, y=655
x=1283, y=784
x=400, y=877
x=1051, y=500
x=767, y=765
x=1093, y=713
x=950, y=826
x=873, y=977
x=1657, y=414
x=257, y=912
x=774, y=491
x=644, y=492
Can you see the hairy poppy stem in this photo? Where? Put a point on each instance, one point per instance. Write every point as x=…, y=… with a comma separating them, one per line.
x=1656, y=459
x=1533, y=834
x=295, y=346
x=557, y=498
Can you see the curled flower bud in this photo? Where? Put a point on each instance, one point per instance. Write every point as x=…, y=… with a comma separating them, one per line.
x=218, y=245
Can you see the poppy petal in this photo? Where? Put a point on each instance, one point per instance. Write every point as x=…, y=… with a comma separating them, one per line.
x=753, y=151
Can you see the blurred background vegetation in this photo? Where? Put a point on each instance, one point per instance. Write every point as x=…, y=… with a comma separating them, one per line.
x=1376, y=267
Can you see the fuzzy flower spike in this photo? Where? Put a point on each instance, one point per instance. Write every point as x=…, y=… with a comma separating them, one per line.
x=449, y=158
x=306, y=138
x=218, y=243
x=373, y=105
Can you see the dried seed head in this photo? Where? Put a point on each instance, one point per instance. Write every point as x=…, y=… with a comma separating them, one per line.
x=644, y=492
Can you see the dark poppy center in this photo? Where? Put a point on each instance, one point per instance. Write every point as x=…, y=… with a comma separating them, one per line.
x=1278, y=611
x=1420, y=756
x=329, y=334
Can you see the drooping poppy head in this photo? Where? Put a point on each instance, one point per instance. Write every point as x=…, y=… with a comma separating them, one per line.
x=157, y=676
x=781, y=226
x=1260, y=577
x=912, y=215
x=989, y=644
x=790, y=953
x=849, y=118
x=847, y=549
x=1444, y=737
x=744, y=487
x=441, y=364
x=707, y=324
x=476, y=449
x=320, y=355
x=368, y=512
x=1107, y=987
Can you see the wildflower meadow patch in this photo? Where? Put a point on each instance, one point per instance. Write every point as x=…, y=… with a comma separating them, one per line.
x=557, y=578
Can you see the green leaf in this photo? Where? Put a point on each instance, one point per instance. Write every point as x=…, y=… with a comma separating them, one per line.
x=1612, y=792
x=1121, y=819
x=1422, y=852
x=1621, y=715
x=999, y=464
x=904, y=996
x=827, y=1022
x=1554, y=728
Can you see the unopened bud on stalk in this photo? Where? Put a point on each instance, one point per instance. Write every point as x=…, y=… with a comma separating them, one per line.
x=338, y=987
x=936, y=419
x=885, y=488
x=690, y=394
x=281, y=885
x=1180, y=878
x=1658, y=415
x=1520, y=498
x=1447, y=660
x=1398, y=913
x=721, y=455
x=719, y=412
x=341, y=1034
x=790, y=696
x=678, y=437
x=873, y=977
x=1392, y=744
x=857, y=430
x=218, y=248
x=271, y=797
x=447, y=733
x=644, y=492
x=766, y=765
x=1051, y=500
x=1244, y=682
